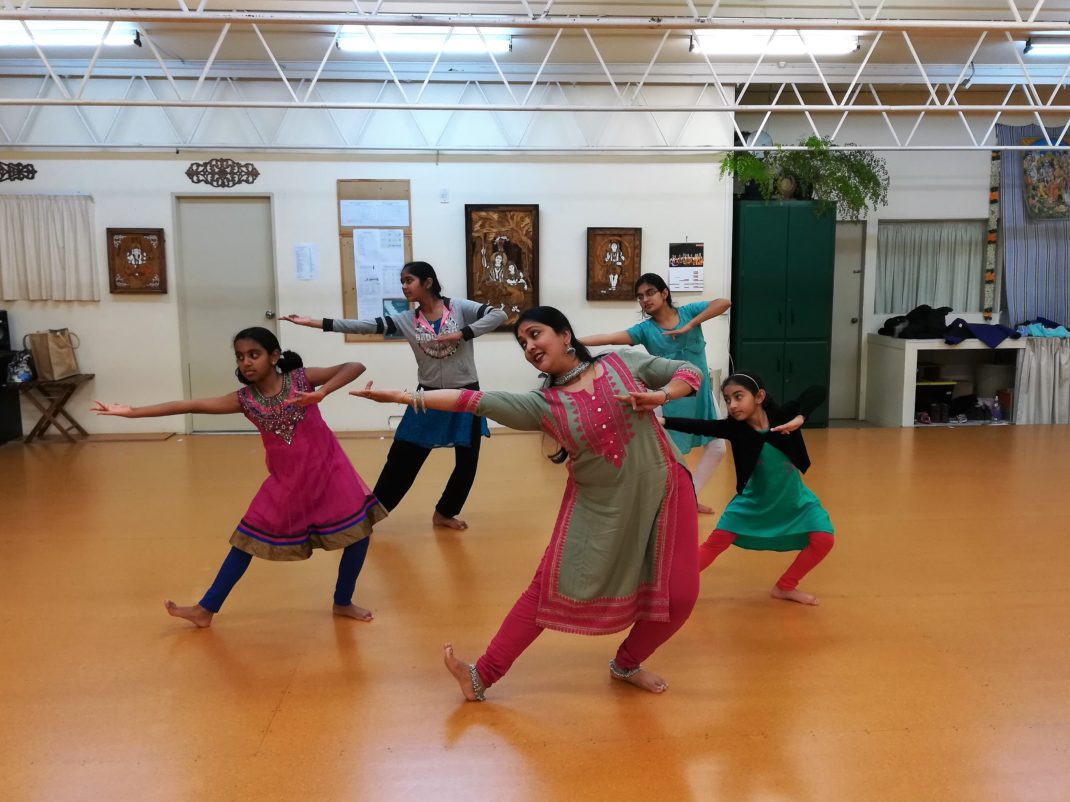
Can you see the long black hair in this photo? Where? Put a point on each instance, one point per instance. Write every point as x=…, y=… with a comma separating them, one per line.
x=554, y=318
x=288, y=360
x=423, y=271
x=658, y=283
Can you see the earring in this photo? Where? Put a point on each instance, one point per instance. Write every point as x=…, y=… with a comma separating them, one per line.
x=570, y=351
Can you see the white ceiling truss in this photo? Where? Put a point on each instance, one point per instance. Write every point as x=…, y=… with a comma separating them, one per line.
x=214, y=78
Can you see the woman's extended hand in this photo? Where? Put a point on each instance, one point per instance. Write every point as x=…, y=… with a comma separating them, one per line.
x=452, y=337
x=381, y=396
x=122, y=410
x=643, y=402
x=308, y=399
x=684, y=329
x=301, y=320
x=790, y=426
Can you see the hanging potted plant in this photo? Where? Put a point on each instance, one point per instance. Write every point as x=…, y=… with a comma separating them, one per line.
x=850, y=180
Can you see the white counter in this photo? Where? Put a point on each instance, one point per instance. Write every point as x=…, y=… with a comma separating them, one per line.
x=891, y=374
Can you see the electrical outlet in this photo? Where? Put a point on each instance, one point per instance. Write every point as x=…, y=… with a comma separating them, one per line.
x=444, y=196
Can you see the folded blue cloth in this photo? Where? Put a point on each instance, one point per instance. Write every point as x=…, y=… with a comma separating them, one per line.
x=991, y=334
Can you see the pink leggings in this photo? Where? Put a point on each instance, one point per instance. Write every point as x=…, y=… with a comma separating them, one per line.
x=519, y=629
x=820, y=545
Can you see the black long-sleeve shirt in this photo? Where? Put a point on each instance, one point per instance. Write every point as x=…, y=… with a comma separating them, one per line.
x=747, y=441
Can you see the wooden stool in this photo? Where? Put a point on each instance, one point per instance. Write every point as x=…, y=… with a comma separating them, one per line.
x=50, y=397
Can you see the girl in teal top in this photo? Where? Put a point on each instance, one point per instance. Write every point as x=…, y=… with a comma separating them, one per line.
x=675, y=332
x=772, y=510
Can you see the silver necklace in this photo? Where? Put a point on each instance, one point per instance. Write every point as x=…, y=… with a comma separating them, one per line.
x=569, y=375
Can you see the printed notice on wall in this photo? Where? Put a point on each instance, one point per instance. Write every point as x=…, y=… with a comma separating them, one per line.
x=307, y=261
x=686, y=266
x=374, y=213
x=378, y=255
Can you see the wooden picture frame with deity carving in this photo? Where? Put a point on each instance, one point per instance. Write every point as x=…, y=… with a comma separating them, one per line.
x=136, y=261
x=502, y=256
x=614, y=259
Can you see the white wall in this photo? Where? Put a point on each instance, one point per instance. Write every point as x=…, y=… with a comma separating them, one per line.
x=132, y=343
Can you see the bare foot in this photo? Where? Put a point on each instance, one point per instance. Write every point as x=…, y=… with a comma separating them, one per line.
x=647, y=680
x=462, y=673
x=438, y=519
x=352, y=611
x=704, y=510
x=195, y=614
x=793, y=595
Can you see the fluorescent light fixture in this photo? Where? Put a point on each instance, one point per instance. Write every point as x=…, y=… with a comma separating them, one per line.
x=754, y=41
x=419, y=39
x=65, y=34
x=1047, y=45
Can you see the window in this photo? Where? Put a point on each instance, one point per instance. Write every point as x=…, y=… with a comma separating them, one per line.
x=934, y=262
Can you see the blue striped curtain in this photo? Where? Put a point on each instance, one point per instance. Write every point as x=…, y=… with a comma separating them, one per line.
x=1036, y=253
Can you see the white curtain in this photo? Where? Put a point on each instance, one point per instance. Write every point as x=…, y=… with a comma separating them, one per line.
x=47, y=249
x=940, y=263
x=1042, y=386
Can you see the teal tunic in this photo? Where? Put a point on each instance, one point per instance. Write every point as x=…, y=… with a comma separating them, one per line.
x=690, y=347
x=775, y=511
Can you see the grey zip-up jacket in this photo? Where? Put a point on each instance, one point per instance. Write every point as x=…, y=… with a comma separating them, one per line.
x=443, y=366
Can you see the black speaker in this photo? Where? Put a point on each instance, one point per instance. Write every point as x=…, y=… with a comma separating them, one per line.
x=5, y=332
x=10, y=414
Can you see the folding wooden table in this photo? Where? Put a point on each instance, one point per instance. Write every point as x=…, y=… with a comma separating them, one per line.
x=50, y=398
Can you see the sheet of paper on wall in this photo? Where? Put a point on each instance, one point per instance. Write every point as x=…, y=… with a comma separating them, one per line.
x=686, y=261
x=685, y=279
x=374, y=213
x=369, y=295
x=307, y=261
x=378, y=256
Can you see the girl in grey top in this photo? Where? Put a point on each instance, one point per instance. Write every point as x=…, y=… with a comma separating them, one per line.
x=440, y=331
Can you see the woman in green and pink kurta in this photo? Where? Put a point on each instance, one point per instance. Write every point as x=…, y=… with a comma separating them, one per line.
x=623, y=550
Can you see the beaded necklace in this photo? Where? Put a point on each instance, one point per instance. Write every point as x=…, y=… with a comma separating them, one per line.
x=276, y=400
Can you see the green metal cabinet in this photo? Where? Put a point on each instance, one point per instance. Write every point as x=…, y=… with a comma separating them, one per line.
x=782, y=278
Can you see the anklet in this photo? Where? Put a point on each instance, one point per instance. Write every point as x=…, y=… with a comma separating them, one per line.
x=622, y=673
x=477, y=684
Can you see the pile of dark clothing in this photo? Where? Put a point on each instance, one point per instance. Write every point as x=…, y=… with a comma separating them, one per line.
x=925, y=323
x=921, y=323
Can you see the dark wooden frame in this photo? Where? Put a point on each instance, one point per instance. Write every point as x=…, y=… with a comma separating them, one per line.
x=122, y=241
x=631, y=242
x=513, y=231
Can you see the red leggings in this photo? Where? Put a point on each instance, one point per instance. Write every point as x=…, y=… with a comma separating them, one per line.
x=519, y=629
x=820, y=545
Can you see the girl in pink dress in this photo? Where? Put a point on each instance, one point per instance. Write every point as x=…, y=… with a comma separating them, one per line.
x=312, y=497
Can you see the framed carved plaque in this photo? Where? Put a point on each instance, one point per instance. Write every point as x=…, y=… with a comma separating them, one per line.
x=503, y=256
x=136, y=261
x=613, y=263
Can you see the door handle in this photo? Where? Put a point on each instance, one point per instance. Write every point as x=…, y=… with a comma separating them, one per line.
x=270, y=314
x=791, y=366
x=854, y=320
x=791, y=317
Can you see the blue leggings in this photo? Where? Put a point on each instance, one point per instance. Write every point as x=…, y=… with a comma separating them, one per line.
x=237, y=561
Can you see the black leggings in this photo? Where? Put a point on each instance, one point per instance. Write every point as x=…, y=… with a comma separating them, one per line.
x=404, y=461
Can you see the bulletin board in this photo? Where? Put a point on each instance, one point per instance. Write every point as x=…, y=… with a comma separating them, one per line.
x=376, y=200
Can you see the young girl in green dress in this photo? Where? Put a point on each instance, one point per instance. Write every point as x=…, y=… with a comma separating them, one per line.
x=772, y=510
x=675, y=332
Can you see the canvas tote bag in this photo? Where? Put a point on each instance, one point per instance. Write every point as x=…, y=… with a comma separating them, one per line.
x=53, y=353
